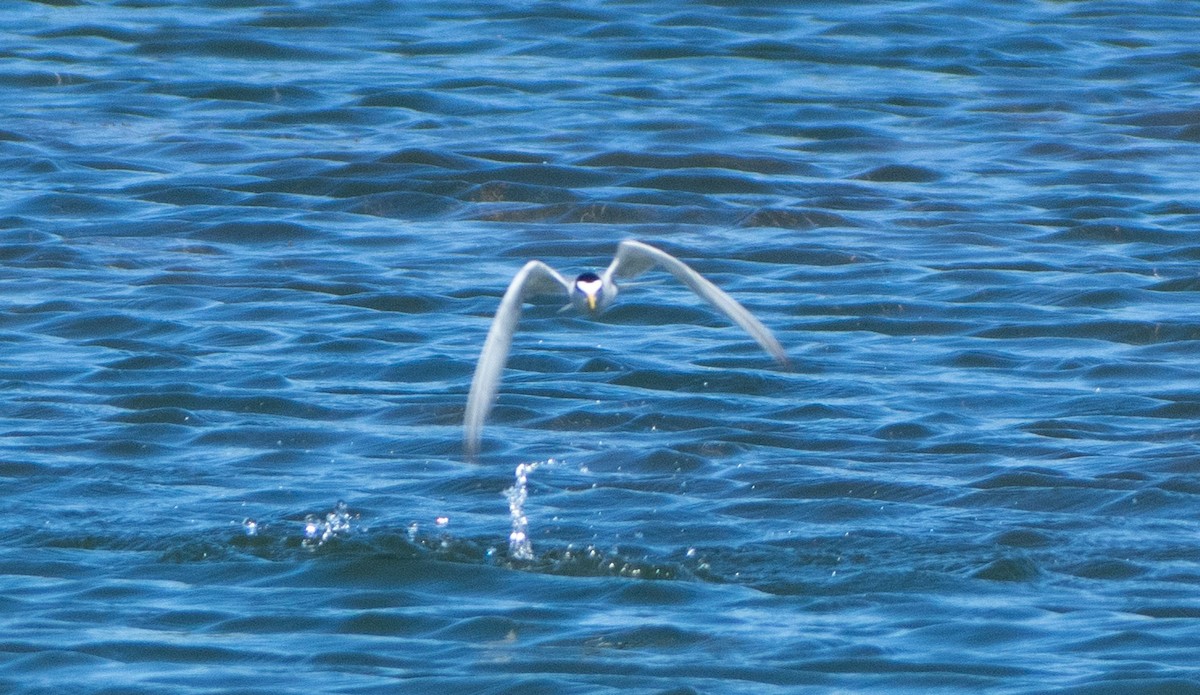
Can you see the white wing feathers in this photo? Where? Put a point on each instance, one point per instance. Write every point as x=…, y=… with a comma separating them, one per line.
x=634, y=258
x=534, y=278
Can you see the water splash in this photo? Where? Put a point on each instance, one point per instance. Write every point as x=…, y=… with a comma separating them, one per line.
x=519, y=545
x=317, y=531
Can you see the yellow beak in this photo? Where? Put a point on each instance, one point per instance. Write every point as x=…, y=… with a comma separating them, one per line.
x=591, y=299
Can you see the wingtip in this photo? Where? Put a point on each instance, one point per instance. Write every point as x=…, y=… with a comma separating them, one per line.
x=471, y=443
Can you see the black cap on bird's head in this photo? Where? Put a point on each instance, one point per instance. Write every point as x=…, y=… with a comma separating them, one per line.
x=586, y=291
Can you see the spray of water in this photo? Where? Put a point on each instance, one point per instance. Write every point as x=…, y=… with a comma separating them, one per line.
x=519, y=545
x=317, y=530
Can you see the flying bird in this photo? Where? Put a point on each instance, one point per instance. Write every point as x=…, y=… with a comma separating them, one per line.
x=590, y=293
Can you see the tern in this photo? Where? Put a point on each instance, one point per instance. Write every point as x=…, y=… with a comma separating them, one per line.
x=592, y=294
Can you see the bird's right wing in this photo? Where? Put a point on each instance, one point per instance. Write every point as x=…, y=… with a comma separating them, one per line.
x=534, y=278
x=634, y=258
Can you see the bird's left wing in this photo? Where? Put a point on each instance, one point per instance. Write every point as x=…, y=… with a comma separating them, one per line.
x=534, y=278
x=634, y=258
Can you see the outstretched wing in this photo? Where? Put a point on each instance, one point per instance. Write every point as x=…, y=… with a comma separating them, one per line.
x=534, y=278
x=634, y=258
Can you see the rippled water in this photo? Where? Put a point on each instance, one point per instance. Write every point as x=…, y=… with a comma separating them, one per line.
x=251, y=250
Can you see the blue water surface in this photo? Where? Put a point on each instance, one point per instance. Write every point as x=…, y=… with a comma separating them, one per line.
x=251, y=248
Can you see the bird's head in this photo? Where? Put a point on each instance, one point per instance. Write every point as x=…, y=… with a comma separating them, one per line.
x=588, y=293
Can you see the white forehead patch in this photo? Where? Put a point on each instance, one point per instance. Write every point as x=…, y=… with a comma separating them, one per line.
x=589, y=287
